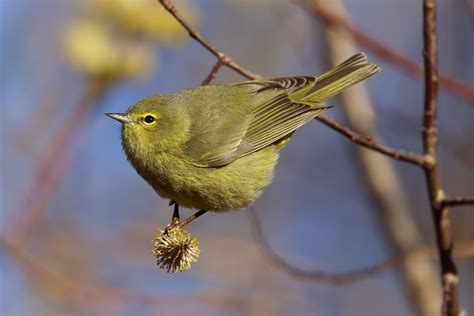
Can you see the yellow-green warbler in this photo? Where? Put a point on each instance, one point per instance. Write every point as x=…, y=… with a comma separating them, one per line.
x=215, y=147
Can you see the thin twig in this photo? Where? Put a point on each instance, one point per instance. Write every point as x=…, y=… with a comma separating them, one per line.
x=463, y=250
x=368, y=142
x=226, y=60
x=453, y=85
x=458, y=201
x=440, y=214
x=212, y=75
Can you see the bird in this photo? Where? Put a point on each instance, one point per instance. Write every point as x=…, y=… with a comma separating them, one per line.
x=215, y=147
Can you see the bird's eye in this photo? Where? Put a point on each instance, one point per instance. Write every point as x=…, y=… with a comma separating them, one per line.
x=149, y=119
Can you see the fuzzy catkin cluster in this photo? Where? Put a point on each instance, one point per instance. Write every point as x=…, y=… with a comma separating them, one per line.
x=175, y=249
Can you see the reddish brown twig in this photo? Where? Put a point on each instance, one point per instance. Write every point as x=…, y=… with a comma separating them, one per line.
x=226, y=60
x=441, y=220
x=386, y=53
x=368, y=142
x=458, y=201
x=342, y=278
x=54, y=164
x=212, y=75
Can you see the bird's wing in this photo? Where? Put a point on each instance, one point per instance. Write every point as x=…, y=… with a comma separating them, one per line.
x=219, y=118
x=274, y=109
x=275, y=115
x=270, y=116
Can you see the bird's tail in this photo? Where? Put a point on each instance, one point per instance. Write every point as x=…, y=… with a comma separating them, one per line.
x=339, y=78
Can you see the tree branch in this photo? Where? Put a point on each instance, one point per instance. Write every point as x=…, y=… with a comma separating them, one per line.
x=453, y=85
x=226, y=60
x=368, y=142
x=450, y=278
x=463, y=250
x=458, y=201
x=54, y=164
x=212, y=75
x=417, y=277
x=108, y=299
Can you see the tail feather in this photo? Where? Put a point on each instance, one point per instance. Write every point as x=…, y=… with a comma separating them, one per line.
x=339, y=78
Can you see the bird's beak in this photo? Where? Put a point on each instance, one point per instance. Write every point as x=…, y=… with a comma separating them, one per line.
x=121, y=117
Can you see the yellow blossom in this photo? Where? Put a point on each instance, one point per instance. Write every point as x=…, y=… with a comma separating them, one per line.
x=94, y=50
x=147, y=18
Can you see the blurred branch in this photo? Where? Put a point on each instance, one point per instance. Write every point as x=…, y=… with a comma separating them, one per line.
x=458, y=201
x=54, y=163
x=47, y=107
x=450, y=278
x=453, y=85
x=463, y=250
x=111, y=299
x=470, y=5
x=225, y=60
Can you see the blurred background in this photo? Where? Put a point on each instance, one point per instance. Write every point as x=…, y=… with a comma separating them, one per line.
x=77, y=221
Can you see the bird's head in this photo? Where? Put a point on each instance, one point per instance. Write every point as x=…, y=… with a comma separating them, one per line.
x=153, y=124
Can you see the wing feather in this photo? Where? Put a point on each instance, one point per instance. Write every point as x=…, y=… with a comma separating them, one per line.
x=275, y=108
x=272, y=117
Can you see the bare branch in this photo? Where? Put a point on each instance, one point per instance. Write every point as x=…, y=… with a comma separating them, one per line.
x=440, y=214
x=463, y=250
x=112, y=300
x=226, y=60
x=368, y=142
x=212, y=75
x=453, y=85
x=458, y=201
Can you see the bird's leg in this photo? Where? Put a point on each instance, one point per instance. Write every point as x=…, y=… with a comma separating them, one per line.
x=175, y=219
x=192, y=218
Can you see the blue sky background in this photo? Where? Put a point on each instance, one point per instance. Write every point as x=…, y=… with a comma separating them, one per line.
x=317, y=213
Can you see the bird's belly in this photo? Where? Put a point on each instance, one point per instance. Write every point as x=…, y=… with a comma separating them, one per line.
x=231, y=187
